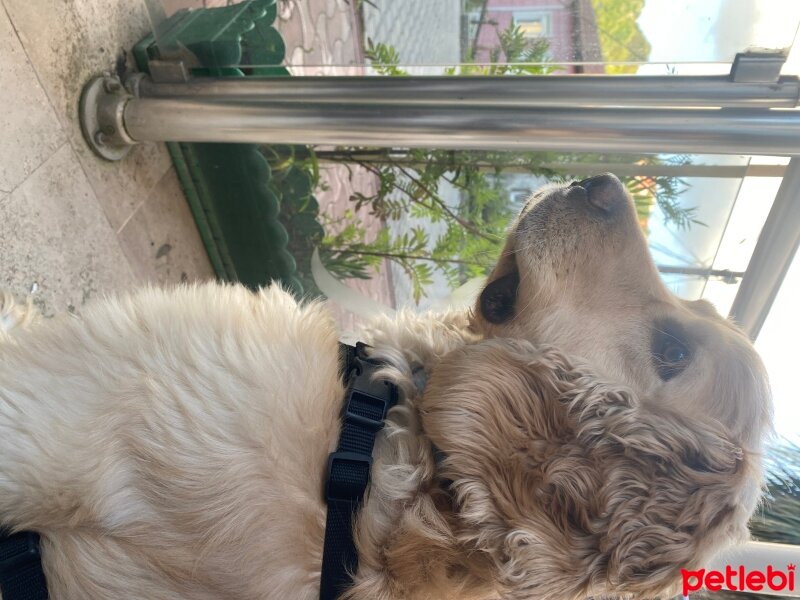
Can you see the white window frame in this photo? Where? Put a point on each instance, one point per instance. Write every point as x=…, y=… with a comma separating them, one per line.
x=530, y=16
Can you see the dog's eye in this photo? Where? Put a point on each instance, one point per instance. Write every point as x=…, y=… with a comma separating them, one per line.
x=671, y=354
x=674, y=353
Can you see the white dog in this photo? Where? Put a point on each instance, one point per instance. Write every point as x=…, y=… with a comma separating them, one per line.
x=595, y=433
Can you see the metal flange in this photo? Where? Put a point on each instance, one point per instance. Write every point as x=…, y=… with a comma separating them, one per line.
x=102, y=110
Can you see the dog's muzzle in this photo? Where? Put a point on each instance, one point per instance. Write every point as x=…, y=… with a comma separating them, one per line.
x=603, y=192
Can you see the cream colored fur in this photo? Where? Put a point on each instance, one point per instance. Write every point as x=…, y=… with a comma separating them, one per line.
x=172, y=443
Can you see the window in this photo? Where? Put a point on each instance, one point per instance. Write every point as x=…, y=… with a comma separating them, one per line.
x=534, y=24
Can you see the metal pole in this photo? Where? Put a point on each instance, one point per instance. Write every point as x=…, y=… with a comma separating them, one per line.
x=723, y=131
x=772, y=256
x=553, y=90
x=713, y=171
x=573, y=168
x=725, y=274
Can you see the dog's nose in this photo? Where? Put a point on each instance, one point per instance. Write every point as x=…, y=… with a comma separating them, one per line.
x=605, y=192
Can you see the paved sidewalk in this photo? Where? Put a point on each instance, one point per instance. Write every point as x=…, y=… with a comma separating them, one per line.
x=321, y=37
x=73, y=226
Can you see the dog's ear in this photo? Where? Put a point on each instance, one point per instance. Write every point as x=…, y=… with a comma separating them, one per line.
x=498, y=299
x=644, y=491
x=493, y=409
x=676, y=492
x=570, y=484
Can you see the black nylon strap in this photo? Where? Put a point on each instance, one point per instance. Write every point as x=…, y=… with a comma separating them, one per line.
x=21, y=574
x=365, y=407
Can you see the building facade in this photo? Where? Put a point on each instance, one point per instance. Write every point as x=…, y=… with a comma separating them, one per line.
x=568, y=26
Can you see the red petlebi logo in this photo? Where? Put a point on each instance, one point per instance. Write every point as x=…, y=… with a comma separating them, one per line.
x=739, y=579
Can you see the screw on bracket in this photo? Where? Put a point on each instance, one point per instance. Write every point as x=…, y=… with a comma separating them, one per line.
x=112, y=85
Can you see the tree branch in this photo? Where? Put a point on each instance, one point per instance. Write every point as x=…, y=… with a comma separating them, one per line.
x=440, y=203
x=399, y=256
x=465, y=224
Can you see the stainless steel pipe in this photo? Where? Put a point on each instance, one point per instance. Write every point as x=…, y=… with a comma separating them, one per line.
x=776, y=247
x=571, y=91
x=722, y=131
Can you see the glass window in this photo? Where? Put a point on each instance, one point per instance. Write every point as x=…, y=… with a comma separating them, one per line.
x=533, y=24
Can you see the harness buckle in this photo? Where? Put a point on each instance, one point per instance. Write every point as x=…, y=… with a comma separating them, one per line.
x=366, y=410
x=348, y=475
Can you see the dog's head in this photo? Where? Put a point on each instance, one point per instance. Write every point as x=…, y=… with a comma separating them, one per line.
x=606, y=433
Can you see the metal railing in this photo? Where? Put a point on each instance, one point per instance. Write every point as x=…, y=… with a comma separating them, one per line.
x=577, y=113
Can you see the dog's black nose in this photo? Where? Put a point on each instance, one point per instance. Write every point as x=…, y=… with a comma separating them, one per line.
x=605, y=192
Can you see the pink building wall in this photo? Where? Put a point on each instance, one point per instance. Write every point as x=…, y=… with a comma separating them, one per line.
x=499, y=16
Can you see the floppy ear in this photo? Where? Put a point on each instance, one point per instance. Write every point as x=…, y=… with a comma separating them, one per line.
x=497, y=411
x=674, y=492
x=569, y=484
x=498, y=299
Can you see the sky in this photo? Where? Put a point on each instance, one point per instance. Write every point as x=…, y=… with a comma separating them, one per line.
x=714, y=30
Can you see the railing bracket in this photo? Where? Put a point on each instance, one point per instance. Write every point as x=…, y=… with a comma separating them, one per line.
x=101, y=114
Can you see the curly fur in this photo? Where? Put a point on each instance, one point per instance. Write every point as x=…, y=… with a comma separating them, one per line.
x=172, y=443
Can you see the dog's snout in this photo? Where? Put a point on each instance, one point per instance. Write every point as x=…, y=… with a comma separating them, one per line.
x=604, y=192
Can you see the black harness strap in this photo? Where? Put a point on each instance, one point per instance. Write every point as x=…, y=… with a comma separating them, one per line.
x=365, y=407
x=21, y=574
